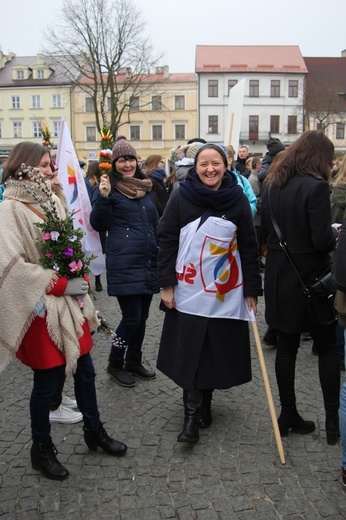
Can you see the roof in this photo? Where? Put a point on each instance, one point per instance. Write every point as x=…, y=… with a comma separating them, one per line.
x=249, y=58
x=328, y=76
x=59, y=75
x=328, y=70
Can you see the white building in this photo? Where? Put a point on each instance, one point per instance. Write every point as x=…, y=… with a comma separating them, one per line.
x=273, y=98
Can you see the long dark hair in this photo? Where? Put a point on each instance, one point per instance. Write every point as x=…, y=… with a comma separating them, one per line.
x=25, y=152
x=311, y=154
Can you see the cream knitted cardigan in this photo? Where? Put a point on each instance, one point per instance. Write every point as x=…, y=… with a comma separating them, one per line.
x=23, y=283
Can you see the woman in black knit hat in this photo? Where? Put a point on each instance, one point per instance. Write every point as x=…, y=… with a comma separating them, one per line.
x=123, y=206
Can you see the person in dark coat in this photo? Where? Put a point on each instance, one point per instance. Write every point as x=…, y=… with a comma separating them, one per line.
x=208, y=267
x=298, y=190
x=123, y=206
x=154, y=169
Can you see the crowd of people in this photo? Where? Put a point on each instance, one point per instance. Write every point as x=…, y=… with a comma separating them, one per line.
x=201, y=234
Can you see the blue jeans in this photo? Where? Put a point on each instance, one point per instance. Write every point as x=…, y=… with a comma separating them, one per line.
x=343, y=415
x=46, y=383
x=131, y=330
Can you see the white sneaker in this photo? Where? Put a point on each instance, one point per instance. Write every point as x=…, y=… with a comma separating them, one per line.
x=65, y=415
x=70, y=403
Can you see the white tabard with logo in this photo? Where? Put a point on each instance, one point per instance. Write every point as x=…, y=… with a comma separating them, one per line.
x=208, y=266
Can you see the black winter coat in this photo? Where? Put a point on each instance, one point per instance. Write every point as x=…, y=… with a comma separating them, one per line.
x=131, y=246
x=195, y=350
x=302, y=210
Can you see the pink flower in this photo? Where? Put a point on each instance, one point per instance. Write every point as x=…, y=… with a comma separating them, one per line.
x=49, y=255
x=46, y=235
x=75, y=266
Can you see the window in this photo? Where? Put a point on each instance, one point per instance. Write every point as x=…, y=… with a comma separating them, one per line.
x=274, y=124
x=340, y=131
x=231, y=83
x=292, y=124
x=89, y=104
x=254, y=88
x=35, y=101
x=20, y=74
x=15, y=102
x=90, y=134
x=40, y=74
x=293, y=88
x=135, y=133
x=36, y=129
x=17, y=129
x=55, y=128
x=213, y=124
x=213, y=88
x=253, y=128
x=275, y=88
x=156, y=103
x=134, y=103
x=180, y=132
x=157, y=132
x=56, y=101
x=179, y=102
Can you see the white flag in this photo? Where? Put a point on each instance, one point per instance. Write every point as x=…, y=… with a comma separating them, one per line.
x=77, y=199
x=234, y=114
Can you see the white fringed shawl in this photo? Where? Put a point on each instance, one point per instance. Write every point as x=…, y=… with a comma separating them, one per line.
x=23, y=283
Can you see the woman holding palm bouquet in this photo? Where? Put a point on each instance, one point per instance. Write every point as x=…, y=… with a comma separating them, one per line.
x=46, y=286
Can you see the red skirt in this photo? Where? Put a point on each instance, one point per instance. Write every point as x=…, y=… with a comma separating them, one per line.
x=38, y=350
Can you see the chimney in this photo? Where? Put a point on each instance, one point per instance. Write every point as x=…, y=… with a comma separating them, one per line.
x=343, y=53
x=166, y=71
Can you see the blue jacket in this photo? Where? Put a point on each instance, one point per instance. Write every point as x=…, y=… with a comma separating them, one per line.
x=131, y=246
x=247, y=188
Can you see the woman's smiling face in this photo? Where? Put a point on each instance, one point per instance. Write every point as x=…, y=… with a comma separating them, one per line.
x=210, y=168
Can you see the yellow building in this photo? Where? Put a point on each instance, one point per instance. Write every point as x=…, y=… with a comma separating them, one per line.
x=163, y=115
x=32, y=91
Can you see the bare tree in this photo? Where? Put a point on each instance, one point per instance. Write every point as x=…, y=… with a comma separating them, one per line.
x=104, y=42
x=323, y=104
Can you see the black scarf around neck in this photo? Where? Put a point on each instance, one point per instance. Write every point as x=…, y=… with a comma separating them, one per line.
x=226, y=196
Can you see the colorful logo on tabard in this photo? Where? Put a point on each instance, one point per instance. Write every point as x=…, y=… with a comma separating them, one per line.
x=219, y=266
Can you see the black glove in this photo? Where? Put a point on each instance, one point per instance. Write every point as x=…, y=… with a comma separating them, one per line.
x=274, y=146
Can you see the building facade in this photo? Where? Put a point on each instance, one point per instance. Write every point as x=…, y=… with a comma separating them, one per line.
x=33, y=91
x=162, y=114
x=273, y=96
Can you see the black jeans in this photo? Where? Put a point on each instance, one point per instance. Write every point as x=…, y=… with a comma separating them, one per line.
x=324, y=338
x=131, y=329
x=46, y=383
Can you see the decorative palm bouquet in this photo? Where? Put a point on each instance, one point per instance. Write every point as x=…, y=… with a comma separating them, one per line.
x=61, y=243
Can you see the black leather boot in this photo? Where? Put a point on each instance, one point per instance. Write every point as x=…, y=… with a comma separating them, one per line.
x=205, y=417
x=43, y=458
x=120, y=375
x=99, y=437
x=98, y=284
x=134, y=366
x=290, y=420
x=190, y=432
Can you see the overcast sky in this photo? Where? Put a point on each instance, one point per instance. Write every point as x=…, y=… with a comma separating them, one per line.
x=176, y=27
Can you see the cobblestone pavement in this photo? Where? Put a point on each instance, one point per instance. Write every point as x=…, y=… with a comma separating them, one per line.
x=233, y=472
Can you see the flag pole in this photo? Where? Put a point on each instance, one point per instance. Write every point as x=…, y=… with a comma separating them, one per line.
x=268, y=392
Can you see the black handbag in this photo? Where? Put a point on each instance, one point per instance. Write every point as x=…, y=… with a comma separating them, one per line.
x=319, y=295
